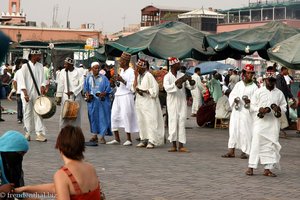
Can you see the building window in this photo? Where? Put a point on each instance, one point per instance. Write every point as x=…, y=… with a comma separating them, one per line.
x=14, y=7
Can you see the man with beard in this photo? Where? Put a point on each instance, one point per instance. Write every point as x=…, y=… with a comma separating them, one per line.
x=175, y=83
x=149, y=114
x=123, y=114
x=97, y=90
x=69, y=87
x=33, y=84
x=268, y=103
x=240, y=127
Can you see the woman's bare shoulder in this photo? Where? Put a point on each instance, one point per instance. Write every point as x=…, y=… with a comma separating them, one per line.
x=90, y=167
x=59, y=174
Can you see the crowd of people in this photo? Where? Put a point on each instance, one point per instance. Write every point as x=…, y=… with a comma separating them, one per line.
x=133, y=99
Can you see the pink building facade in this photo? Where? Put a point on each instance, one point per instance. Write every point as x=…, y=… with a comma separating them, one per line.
x=24, y=33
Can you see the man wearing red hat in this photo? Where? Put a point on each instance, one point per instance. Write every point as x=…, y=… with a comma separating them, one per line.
x=268, y=104
x=240, y=127
x=149, y=114
x=174, y=84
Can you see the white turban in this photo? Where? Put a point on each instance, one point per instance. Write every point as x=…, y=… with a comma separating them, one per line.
x=95, y=63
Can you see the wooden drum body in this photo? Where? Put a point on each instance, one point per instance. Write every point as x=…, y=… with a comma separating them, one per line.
x=44, y=107
x=70, y=109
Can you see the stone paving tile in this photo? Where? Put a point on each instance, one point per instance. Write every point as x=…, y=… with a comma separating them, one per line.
x=134, y=174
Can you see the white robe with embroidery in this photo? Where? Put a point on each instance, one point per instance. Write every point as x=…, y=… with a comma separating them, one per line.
x=75, y=86
x=149, y=114
x=241, y=120
x=265, y=142
x=177, y=107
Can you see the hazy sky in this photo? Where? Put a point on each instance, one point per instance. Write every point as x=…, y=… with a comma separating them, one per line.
x=107, y=16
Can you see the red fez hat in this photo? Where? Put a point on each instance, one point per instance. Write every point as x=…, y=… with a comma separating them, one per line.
x=173, y=61
x=141, y=63
x=249, y=68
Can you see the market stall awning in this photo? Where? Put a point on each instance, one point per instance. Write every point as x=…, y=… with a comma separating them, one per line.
x=287, y=52
x=247, y=41
x=162, y=41
x=33, y=44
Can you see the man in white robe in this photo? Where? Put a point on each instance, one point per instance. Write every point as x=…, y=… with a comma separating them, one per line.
x=241, y=123
x=73, y=93
x=174, y=84
x=223, y=108
x=197, y=92
x=148, y=109
x=123, y=114
x=266, y=127
x=32, y=121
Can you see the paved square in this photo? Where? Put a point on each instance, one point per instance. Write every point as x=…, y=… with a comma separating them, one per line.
x=130, y=173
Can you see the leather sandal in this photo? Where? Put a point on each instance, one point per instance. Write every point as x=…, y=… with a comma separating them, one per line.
x=173, y=149
x=269, y=173
x=228, y=155
x=244, y=156
x=94, y=139
x=183, y=150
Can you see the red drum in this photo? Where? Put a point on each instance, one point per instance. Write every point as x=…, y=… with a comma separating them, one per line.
x=70, y=109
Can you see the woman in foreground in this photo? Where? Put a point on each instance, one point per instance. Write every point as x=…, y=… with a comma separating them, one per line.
x=77, y=179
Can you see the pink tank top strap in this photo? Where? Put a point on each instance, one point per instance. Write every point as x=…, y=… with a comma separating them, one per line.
x=73, y=180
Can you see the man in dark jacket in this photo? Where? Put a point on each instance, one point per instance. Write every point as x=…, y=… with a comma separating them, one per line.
x=282, y=85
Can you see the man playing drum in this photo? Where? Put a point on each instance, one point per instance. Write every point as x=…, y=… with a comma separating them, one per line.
x=32, y=121
x=69, y=87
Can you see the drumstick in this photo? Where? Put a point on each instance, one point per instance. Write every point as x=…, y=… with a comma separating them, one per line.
x=116, y=68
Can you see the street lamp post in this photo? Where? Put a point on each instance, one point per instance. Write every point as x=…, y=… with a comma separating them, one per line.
x=19, y=37
x=105, y=40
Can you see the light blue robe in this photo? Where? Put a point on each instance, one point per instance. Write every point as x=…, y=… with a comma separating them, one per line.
x=99, y=112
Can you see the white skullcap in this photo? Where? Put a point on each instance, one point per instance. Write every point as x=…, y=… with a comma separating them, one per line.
x=95, y=63
x=35, y=51
x=69, y=60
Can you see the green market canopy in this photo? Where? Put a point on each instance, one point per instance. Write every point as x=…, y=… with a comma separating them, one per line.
x=174, y=39
x=287, y=52
x=242, y=42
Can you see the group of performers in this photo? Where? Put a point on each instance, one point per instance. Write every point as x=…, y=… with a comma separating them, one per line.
x=135, y=107
x=255, y=121
x=254, y=126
